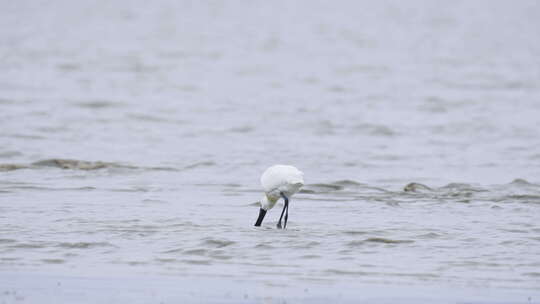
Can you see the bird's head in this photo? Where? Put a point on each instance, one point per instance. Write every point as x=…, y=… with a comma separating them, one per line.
x=269, y=200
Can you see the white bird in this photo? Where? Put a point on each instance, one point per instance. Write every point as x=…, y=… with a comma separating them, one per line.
x=279, y=181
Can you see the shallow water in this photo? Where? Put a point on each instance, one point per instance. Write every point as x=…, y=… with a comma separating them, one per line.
x=132, y=140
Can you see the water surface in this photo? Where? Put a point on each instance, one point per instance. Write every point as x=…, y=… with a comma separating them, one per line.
x=132, y=139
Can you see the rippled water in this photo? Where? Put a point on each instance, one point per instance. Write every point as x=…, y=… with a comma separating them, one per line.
x=132, y=139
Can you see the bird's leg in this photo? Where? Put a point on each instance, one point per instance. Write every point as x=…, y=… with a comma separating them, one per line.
x=285, y=206
x=286, y=213
x=262, y=213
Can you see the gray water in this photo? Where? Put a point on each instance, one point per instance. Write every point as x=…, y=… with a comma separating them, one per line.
x=132, y=139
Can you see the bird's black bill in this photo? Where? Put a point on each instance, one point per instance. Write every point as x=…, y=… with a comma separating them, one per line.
x=285, y=210
x=262, y=213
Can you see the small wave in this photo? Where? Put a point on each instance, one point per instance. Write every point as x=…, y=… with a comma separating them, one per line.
x=243, y=129
x=232, y=185
x=217, y=243
x=83, y=245
x=346, y=272
x=25, y=136
x=176, y=223
x=461, y=187
x=9, y=259
x=134, y=189
x=308, y=245
x=264, y=246
x=354, y=232
x=347, y=182
x=514, y=230
x=416, y=275
x=416, y=187
x=39, y=188
x=220, y=257
x=7, y=101
x=10, y=154
x=197, y=262
x=429, y=235
x=196, y=251
x=68, y=66
x=354, y=185
x=328, y=186
x=355, y=243
x=375, y=130
x=176, y=250
x=361, y=69
x=520, y=181
x=154, y=201
x=137, y=263
x=75, y=164
x=159, y=168
x=98, y=104
x=166, y=260
x=53, y=261
x=200, y=164
x=458, y=192
x=378, y=240
x=524, y=197
x=392, y=203
x=29, y=245
x=323, y=187
x=11, y=167
x=146, y=117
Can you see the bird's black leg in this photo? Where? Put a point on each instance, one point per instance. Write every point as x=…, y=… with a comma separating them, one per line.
x=262, y=213
x=286, y=213
x=285, y=206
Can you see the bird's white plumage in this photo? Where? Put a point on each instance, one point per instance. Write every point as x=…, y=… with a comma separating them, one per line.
x=280, y=179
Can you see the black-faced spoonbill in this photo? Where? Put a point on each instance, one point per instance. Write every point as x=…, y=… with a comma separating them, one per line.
x=279, y=181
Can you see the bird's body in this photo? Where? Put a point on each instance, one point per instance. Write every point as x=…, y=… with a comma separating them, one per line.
x=279, y=181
